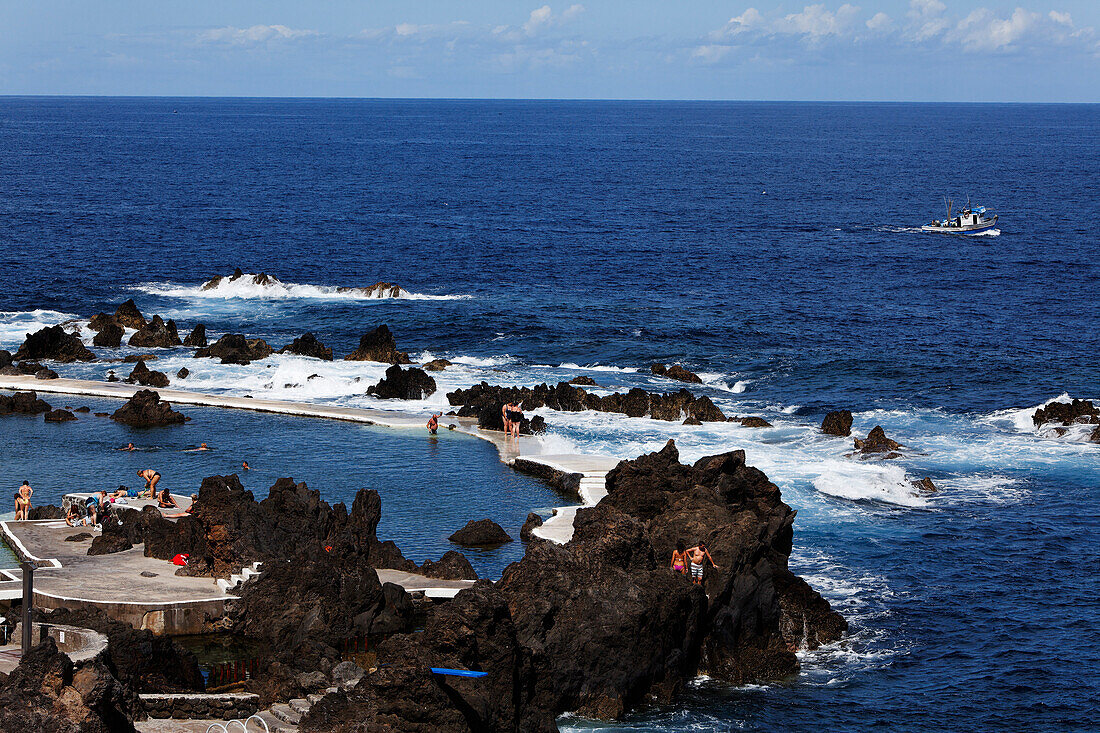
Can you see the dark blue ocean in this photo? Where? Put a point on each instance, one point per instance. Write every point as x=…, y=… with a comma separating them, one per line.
x=773, y=248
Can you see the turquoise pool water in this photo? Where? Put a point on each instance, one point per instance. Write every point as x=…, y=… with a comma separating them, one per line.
x=430, y=486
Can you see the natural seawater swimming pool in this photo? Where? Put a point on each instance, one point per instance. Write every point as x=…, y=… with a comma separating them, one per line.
x=430, y=486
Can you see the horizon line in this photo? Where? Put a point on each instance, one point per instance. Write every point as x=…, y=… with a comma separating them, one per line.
x=707, y=100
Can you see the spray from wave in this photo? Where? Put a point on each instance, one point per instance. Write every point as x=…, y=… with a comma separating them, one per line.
x=246, y=286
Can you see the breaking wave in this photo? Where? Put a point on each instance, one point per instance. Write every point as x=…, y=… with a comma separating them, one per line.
x=266, y=287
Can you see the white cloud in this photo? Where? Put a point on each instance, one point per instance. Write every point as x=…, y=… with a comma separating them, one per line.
x=253, y=34
x=1061, y=18
x=817, y=20
x=710, y=53
x=984, y=31
x=880, y=22
x=544, y=18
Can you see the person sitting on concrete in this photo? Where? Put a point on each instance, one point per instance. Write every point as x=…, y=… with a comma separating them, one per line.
x=186, y=512
x=166, y=500
x=152, y=478
x=76, y=514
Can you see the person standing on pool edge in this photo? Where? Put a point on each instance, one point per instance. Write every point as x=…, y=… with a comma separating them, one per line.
x=151, y=479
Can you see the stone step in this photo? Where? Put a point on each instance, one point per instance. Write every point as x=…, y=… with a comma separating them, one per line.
x=314, y=698
x=286, y=713
x=299, y=705
x=274, y=725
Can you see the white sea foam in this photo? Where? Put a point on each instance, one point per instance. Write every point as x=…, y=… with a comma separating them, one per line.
x=15, y=325
x=867, y=482
x=247, y=287
x=741, y=385
x=597, y=368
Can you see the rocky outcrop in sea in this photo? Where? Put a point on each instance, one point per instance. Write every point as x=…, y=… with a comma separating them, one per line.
x=379, y=345
x=403, y=384
x=147, y=410
x=53, y=343
x=308, y=345
x=235, y=348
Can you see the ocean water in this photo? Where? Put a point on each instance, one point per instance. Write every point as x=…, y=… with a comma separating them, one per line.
x=773, y=248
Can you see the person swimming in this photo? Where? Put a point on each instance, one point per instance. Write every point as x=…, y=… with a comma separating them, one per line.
x=245, y=466
x=433, y=422
x=201, y=447
x=128, y=446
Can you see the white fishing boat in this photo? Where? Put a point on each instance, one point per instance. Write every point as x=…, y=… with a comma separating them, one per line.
x=968, y=221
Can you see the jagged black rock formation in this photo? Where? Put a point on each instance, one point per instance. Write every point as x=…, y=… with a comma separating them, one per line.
x=676, y=372
x=877, y=442
x=197, y=337
x=156, y=334
x=234, y=348
x=128, y=315
x=146, y=410
x=1064, y=413
x=308, y=345
x=837, y=422
x=109, y=336
x=378, y=345
x=480, y=533
x=55, y=344
x=403, y=384
x=147, y=377
x=23, y=403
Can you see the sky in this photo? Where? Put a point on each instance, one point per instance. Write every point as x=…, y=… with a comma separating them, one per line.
x=893, y=50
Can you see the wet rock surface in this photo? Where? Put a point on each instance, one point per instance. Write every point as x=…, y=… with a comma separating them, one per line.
x=436, y=365
x=584, y=381
x=45, y=374
x=147, y=377
x=876, y=442
x=483, y=398
x=23, y=403
x=480, y=533
x=197, y=337
x=403, y=384
x=234, y=348
x=308, y=345
x=147, y=410
x=156, y=334
x=59, y=415
x=452, y=566
x=837, y=422
x=128, y=315
x=378, y=345
x=752, y=422
x=55, y=344
x=675, y=372
x=1066, y=413
x=109, y=336
x=533, y=522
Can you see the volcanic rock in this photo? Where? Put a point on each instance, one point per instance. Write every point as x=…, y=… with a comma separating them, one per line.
x=135, y=358
x=45, y=374
x=10, y=371
x=308, y=345
x=676, y=372
x=59, y=416
x=837, y=422
x=926, y=485
x=156, y=333
x=758, y=609
x=46, y=511
x=84, y=409
x=752, y=422
x=107, y=543
x=29, y=367
x=79, y=537
x=110, y=336
x=146, y=410
x=197, y=337
x=47, y=693
x=403, y=384
x=1094, y=436
x=145, y=376
x=54, y=343
x=1066, y=413
x=111, y=377
x=234, y=348
x=100, y=321
x=480, y=533
x=876, y=442
x=147, y=663
x=452, y=566
x=217, y=279
x=183, y=373
x=436, y=365
x=129, y=316
x=378, y=345
x=694, y=421
x=23, y=403
x=584, y=381
x=378, y=290
x=532, y=522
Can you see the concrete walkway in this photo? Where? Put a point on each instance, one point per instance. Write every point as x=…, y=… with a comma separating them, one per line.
x=559, y=528
x=592, y=471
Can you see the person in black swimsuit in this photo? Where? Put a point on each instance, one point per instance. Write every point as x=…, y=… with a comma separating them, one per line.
x=515, y=417
x=151, y=479
x=433, y=422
